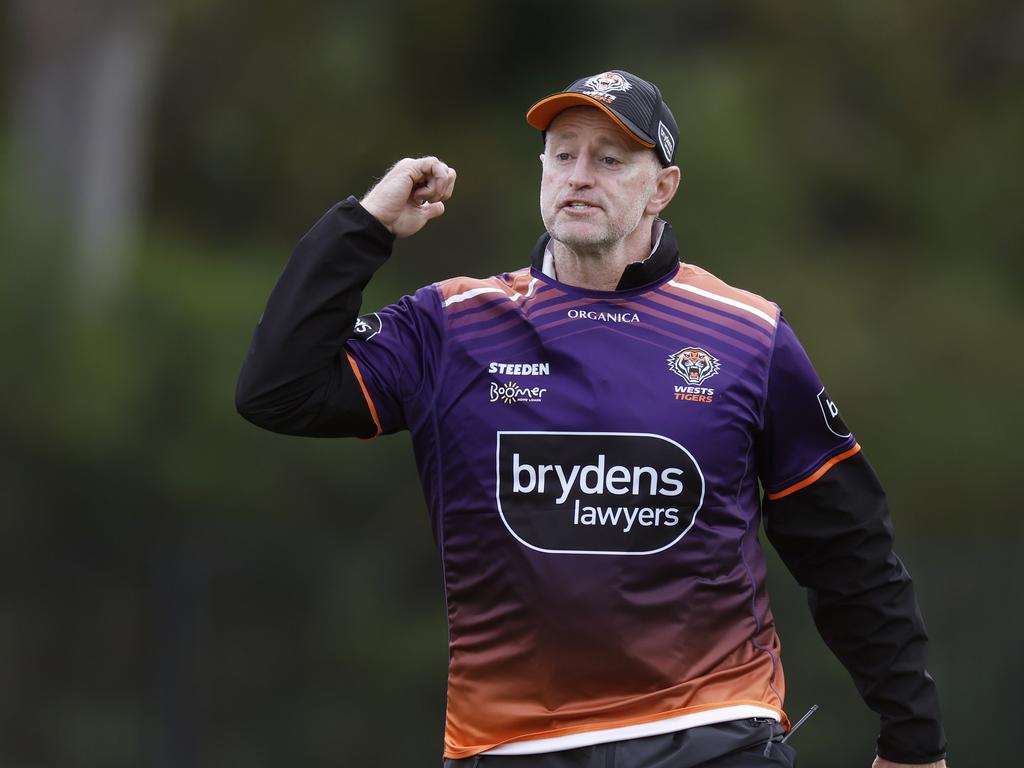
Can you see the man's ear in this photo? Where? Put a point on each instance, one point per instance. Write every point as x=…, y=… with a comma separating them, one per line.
x=541, y=156
x=665, y=186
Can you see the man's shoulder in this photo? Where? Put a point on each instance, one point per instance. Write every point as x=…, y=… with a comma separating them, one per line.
x=702, y=286
x=457, y=290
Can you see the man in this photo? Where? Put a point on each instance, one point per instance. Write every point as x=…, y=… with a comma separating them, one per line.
x=590, y=434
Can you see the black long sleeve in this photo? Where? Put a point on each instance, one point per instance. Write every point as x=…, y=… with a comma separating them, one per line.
x=836, y=537
x=295, y=378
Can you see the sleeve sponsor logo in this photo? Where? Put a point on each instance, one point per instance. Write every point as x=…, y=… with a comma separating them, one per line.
x=830, y=411
x=367, y=327
x=596, y=493
x=694, y=364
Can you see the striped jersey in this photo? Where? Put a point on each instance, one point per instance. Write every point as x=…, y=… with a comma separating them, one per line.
x=593, y=462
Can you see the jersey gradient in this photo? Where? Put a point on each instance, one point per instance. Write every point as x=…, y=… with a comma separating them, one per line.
x=591, y=461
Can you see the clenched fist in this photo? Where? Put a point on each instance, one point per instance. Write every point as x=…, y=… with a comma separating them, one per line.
x=411, y=193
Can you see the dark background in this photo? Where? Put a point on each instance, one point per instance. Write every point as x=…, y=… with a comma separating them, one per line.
x=178, y=588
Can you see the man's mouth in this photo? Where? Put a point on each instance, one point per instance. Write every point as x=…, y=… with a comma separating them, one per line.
x=578, y=205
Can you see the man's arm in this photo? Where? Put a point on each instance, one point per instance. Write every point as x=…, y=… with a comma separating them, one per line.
x=827, y=516
x=836, y=537
x=295, y=378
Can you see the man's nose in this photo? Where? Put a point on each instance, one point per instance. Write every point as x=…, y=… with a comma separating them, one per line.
x=582, y=172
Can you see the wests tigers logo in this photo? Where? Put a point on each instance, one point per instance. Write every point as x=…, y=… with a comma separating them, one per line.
x=694, y=364
x=598, y=86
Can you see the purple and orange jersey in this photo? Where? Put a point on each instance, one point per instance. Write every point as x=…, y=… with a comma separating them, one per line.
x=591, y=461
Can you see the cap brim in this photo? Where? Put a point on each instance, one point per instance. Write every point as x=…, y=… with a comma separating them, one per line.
x=543, y=112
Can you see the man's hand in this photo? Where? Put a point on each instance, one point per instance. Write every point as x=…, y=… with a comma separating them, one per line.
x=883, y=763
x=411, y=193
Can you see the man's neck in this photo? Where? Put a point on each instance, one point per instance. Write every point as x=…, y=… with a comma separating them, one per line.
x=601, y=268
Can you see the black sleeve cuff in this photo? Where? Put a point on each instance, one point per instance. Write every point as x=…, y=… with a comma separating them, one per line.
x=374, y=228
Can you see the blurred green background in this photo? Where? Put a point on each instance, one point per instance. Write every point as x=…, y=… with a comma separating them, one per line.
x=178, y=588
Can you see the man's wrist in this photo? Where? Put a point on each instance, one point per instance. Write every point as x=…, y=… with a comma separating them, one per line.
x=374, y=224
x=366, y=204
x=881, y=762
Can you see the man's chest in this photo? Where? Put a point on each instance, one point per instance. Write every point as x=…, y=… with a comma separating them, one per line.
x=604, y=414
x=607, y=368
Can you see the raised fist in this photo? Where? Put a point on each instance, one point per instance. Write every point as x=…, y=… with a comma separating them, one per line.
x=411, y=193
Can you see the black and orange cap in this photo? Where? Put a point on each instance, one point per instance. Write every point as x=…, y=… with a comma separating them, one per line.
x=632, y=102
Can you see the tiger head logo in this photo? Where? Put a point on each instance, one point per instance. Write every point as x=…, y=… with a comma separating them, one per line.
x=607, y=81
x=694, y=364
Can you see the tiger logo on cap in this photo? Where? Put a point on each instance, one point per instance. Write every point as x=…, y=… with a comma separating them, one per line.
x=599, y=86
x=694, y=364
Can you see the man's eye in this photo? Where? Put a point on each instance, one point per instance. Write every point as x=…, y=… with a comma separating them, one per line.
x=563, y=156
x=611, y=161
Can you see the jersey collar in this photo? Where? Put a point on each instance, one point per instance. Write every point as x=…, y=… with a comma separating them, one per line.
x=664, y=258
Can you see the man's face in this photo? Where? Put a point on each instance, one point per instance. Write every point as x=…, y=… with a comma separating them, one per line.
x=596, y=182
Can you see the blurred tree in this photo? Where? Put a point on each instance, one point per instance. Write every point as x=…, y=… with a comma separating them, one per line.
x=86, y=73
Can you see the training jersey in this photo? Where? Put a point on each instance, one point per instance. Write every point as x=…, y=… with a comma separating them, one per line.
x=591, y=462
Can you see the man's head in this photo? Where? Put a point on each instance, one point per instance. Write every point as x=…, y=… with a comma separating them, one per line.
x=604, y=182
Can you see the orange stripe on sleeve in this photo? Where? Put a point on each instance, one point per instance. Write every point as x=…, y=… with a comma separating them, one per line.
x=362, y=386
x=821, y=471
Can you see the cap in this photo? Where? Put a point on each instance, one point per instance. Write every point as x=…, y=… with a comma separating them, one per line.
x=632, y=102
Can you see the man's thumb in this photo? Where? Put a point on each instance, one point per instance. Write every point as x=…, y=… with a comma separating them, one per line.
x=432, y=210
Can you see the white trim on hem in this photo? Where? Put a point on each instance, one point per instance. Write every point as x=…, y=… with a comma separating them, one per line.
x=639, y=730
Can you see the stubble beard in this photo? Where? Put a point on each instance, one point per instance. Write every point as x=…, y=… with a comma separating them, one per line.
x=594, y=244
x=602, y=240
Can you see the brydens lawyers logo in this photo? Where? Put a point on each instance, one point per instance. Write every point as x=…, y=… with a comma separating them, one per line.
x=665, y=137
x=830, y=411
x=598, y=86
x=596, y=493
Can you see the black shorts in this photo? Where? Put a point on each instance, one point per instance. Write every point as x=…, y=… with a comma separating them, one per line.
x=752, y=743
